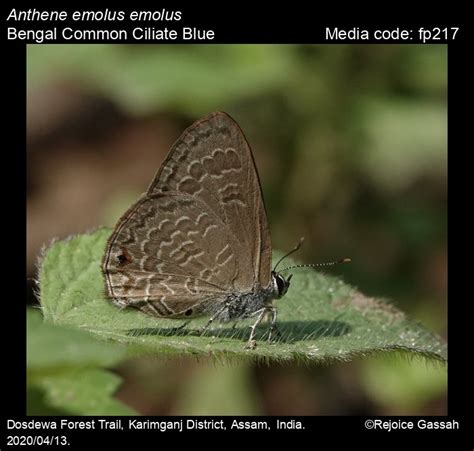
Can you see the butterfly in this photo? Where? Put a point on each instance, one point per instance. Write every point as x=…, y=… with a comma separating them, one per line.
x=197, y=243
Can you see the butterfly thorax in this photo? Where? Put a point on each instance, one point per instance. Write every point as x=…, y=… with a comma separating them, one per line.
x=244, y=305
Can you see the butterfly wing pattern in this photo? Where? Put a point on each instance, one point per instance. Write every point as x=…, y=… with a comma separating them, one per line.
x=197, y=242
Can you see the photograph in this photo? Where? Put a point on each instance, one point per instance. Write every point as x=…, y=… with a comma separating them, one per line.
x=240, y=229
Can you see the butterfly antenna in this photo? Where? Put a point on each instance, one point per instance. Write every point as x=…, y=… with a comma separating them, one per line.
x=313, y=265
x=289, y=253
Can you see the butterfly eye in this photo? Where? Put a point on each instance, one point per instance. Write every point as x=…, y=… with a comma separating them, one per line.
x=282, y=285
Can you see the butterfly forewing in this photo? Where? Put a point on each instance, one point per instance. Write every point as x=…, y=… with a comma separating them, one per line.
x=199, y=233
x=212, y=160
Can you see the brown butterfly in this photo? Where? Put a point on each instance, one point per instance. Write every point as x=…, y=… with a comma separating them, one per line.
x=197, y=242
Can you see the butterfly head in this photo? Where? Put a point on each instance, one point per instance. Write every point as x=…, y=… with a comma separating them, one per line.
x=280, y=284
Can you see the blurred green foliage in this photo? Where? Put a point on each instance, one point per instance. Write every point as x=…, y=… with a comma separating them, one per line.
x=350, y=141
x=231, y=389
x=403, y=385
x=67, y=372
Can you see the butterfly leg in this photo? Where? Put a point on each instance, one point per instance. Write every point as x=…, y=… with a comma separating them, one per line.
x=213, y=317
x=251, y=344
x=273, y=327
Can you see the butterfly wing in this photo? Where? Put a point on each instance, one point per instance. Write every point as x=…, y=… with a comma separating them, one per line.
x=213, y=161
x=201, y=230
x=165, y=256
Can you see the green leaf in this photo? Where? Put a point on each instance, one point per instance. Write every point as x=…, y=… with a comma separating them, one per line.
x=320, y=319
x=51, y=347
x=83, y=392
x=65, y=374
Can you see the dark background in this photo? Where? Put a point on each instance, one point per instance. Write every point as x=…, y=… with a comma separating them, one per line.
x=350, y=142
